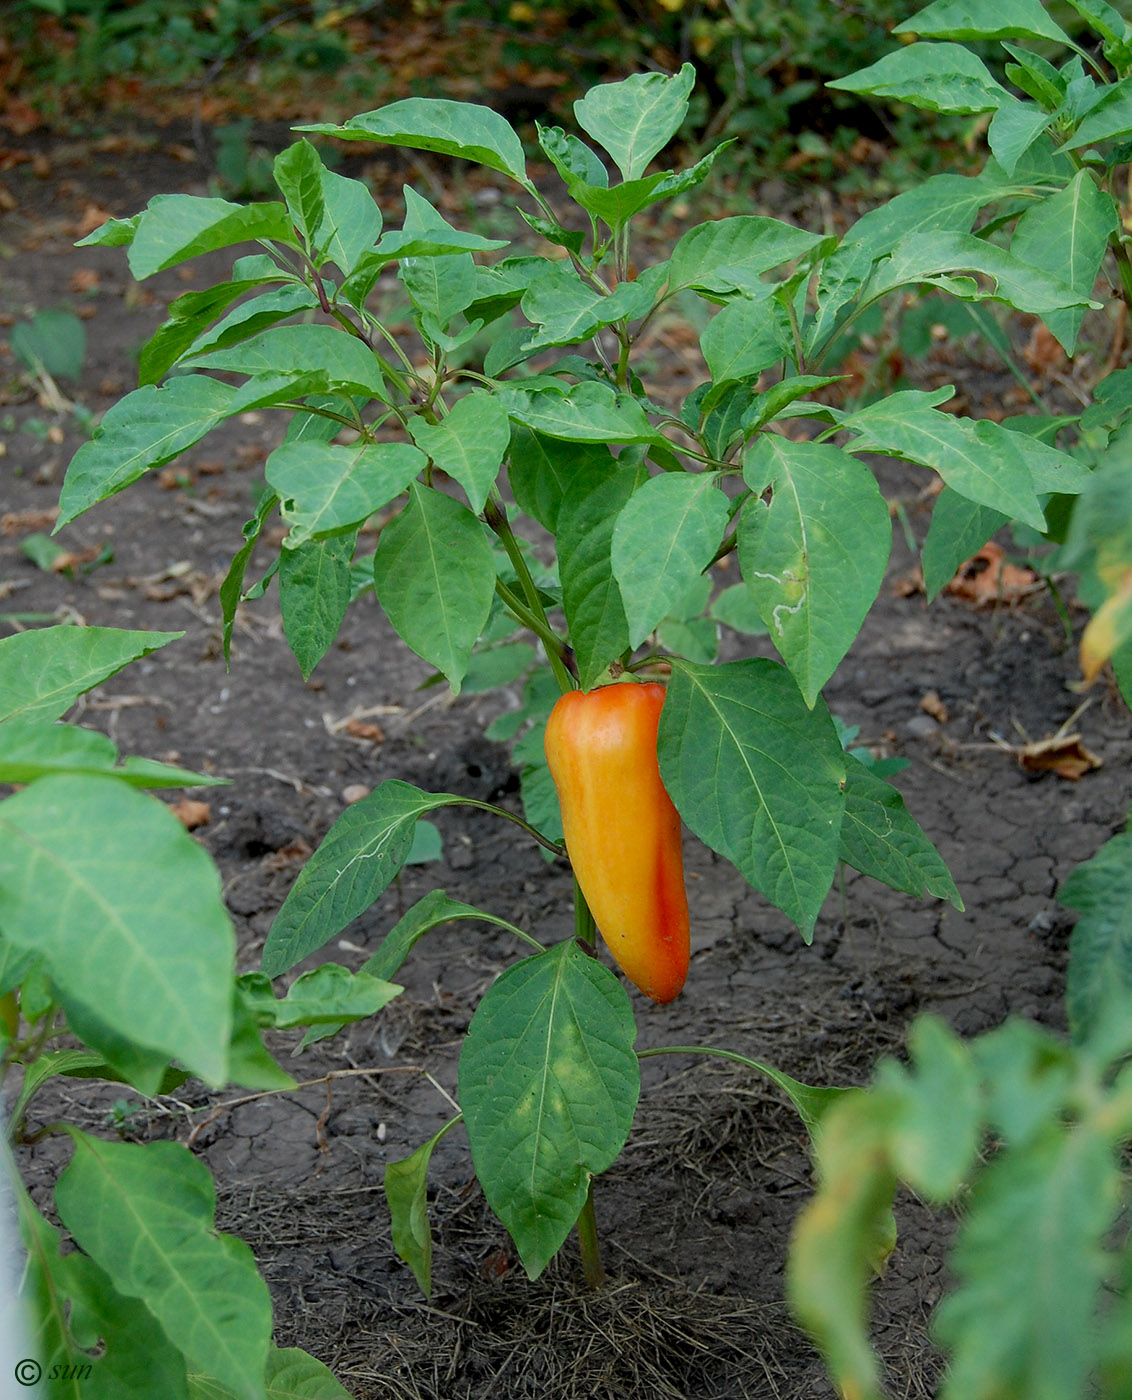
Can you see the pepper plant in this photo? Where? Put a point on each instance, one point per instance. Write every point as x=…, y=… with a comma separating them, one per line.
x=519, y=397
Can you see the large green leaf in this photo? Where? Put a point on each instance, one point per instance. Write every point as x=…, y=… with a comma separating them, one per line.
x=462, y=129
x=726, y=255
x=359, y=856
x=637, y=117
x=298, y=173
x=326, y=489
x=314, y=593
x=980, y=460
x=350, y=365
x=145, y=1215
x=663, y=540
x=469, y=444
x=43, y=672
x=937, y=77
x=434, y=572
x=880, y=838
x=983, y=19
x=814, y=557
x=125, y=908
x=591, y=597
x=548, y=1084
x=757, y=776
x=176, y=227
x=1066, y=234
x=1100, y=949
x=146, y=429
x=1030, y=1268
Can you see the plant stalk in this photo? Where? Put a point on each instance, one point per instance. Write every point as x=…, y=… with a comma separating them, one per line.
x=592, y=1267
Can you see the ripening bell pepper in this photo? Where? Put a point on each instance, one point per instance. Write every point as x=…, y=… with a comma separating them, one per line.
x=622, y=831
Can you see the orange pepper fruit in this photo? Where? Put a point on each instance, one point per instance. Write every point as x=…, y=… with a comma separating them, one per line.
x=622, y=831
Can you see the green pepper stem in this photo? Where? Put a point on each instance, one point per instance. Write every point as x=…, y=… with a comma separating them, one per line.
x=592, y=1267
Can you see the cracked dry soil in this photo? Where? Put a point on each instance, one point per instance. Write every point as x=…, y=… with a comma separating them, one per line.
x=695, y=1216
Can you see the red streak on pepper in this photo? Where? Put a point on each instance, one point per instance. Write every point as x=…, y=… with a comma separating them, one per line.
x=622, y=830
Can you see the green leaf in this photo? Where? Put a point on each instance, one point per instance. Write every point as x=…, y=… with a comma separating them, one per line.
x=91, y=1341
x=757, y=776
x=946, y=260
x=1013, y=130
x=730, y=255
x=291, y=1375
x=814, y=558
x=145, y=1214
x=1100, y=948
x=176, y=227
x=314, y=593
x=548, y=1084
x=145, y=429
x=980, y=460
x=231, y=589
x=936, y=77
x=31, y=749
x=469, y=444
x=325, y=995
x=114, y=233
x=663, y=540
x=983, y=19
x=590, y=412
x=132, y=929
x=568, y=310
x=959, y=528
x=351, y=222
x=43, y=672
x=843, y=1236
x=428, y=913
x=1030, y=1266
x=434, y=572
x=936, y=1118
x=52, y=341
x=945, y=202
x=591, y=597
x=636, y=118
x=542, y=468
x=880, y=838
x=406, y=1191
x=326, y=489
x=462, y=129
x=1108, y=119
x=359, y=856
x=298, y=173
x=735, y=608
x=249, y=318
x=1066, y=234
x=250, y=1063
x=349, y=364
x=746, y=337
x=1102, y=17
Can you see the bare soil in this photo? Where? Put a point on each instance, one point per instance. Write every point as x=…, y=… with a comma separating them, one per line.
x=696, y=1215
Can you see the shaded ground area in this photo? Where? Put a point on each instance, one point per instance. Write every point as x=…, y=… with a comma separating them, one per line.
x=696, y=1214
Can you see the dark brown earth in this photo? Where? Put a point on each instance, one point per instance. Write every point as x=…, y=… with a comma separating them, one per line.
x=696, y=1215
